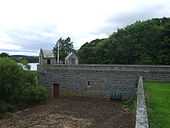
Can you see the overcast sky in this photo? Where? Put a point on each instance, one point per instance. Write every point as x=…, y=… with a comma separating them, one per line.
x=28, y=25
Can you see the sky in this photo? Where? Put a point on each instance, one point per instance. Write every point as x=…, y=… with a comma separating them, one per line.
x=28, y=25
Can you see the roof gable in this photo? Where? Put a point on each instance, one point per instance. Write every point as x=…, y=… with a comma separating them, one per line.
x=71, y=55
x=46, y=53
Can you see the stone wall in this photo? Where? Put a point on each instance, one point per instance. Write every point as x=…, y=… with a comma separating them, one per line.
x=99, y=80
x=141, y=111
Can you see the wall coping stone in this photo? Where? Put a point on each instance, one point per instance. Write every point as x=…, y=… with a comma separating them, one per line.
x=98, y=67
x=141, y=110
x=107, y=65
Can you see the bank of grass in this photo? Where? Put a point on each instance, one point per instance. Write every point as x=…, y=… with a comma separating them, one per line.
x=130, y=104
x=158, y=103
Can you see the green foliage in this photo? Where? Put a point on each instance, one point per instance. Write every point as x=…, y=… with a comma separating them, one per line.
x=3, y=54
x=34, y=94
x=23, y=61
x=157, y=95
x=146, y=42
x=10, y=79
x=6, y=107
x=65, y=46
x=130, y=104
x=18, y=86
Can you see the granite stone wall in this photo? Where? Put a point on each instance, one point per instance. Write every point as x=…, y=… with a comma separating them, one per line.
x=99, y=80
x=141, y=111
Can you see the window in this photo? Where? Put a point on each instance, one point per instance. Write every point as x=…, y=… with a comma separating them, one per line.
x=48, y=61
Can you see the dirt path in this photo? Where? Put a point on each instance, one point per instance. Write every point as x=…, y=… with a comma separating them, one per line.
x=74, y=112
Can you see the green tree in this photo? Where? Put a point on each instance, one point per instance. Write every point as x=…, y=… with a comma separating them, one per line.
x=65, y=47
x=146, y=42
x=88, y=52
x=3, y=54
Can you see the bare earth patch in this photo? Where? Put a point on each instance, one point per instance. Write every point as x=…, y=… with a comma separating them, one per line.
x=73, y=112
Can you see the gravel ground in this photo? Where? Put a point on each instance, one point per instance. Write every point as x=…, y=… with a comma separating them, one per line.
x=73, y=112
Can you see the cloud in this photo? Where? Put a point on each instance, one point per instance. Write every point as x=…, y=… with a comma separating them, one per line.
x=27, y=26
x=126, y=18
x=20, y=52
x=4, y=45
x=28, y=39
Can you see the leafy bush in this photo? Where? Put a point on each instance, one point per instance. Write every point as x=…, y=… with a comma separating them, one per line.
x=34, y=94
x=18, y=86
x=11, y=79
x=6, y=107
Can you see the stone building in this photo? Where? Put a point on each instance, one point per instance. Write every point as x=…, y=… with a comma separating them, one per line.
x=71, y=59
x=73, y=79
x=116, y=81
x=46, y=57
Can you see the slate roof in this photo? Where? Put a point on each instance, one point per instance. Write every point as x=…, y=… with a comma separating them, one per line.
x=70, y=55
x=47, y=53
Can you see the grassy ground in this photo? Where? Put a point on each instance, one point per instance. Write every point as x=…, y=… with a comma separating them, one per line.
x=158, y=103
x=130, y=104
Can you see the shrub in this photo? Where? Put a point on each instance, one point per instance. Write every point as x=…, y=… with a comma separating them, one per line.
x=18, y=86
x=6, y=107
x=34, y=94
x=10, y=79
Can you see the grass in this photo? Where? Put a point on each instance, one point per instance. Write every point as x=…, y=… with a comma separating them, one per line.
x=130, y=104
x=158, y=103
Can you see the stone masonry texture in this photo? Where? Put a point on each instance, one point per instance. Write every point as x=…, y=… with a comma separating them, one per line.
x=99, y=80
x=141, y=111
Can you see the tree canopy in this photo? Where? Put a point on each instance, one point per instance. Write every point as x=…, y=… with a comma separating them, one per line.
x=3, y=54
x=144, y=42
x=65, y=47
